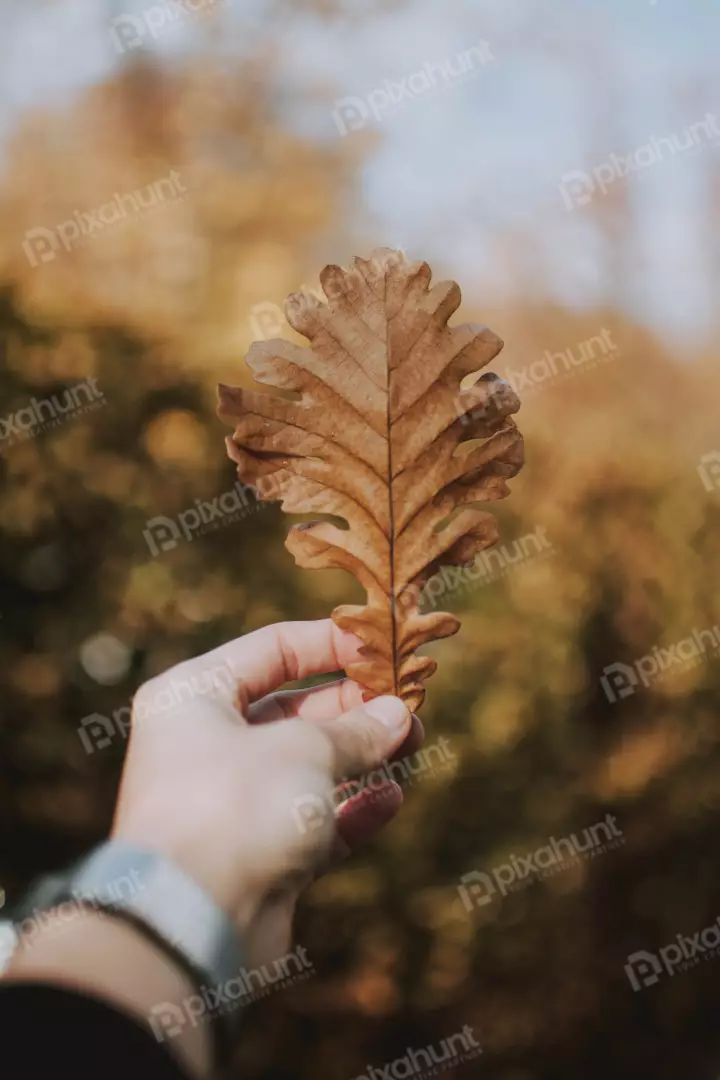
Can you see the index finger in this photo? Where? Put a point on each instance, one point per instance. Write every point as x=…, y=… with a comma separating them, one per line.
x=268, y=658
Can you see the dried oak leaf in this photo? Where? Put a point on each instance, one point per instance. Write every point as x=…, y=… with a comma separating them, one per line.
x=381, y=435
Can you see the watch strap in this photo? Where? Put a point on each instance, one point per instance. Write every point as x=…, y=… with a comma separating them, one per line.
x=165, y=903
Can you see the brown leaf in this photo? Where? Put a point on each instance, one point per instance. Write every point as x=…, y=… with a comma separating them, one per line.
x=381, y=435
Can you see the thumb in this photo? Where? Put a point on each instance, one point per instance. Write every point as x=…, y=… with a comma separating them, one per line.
x=366, y=736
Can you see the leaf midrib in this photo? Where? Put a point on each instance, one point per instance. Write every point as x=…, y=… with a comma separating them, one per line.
x=391, y=507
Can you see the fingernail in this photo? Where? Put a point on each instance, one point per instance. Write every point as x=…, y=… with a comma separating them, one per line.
x=390, y=711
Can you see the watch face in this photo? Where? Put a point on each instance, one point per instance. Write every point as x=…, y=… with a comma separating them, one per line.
x=8, y=943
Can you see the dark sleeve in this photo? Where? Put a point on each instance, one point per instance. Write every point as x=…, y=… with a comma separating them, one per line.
x=46, y=1030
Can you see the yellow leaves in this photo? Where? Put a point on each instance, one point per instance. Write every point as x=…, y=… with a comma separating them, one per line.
x=265, y=267
x=176, y=438
x=640, y=759
x=27, y=509
x=245, y=181
x=351, y=886
x=36, y=676
x=72, y=359
x=498, y=720
x=113, y=477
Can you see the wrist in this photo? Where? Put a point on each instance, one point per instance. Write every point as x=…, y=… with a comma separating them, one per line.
x=206, y=861
x=174, y=902
x=95, y=953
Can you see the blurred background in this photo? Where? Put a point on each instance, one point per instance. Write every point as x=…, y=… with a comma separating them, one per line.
x=168, y=174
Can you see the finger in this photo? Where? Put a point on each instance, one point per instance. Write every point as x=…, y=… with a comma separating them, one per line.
x=360, y=818
x=327, y=702
x=284, y=652
x=317, y=703
x=414, y=740
x=366, y=736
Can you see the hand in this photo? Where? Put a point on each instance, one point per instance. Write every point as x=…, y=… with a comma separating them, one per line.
x=234, y=781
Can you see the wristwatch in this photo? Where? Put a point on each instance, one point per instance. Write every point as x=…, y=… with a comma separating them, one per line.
x=169, y=907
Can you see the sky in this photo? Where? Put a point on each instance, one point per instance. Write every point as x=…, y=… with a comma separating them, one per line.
x=474, y=170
